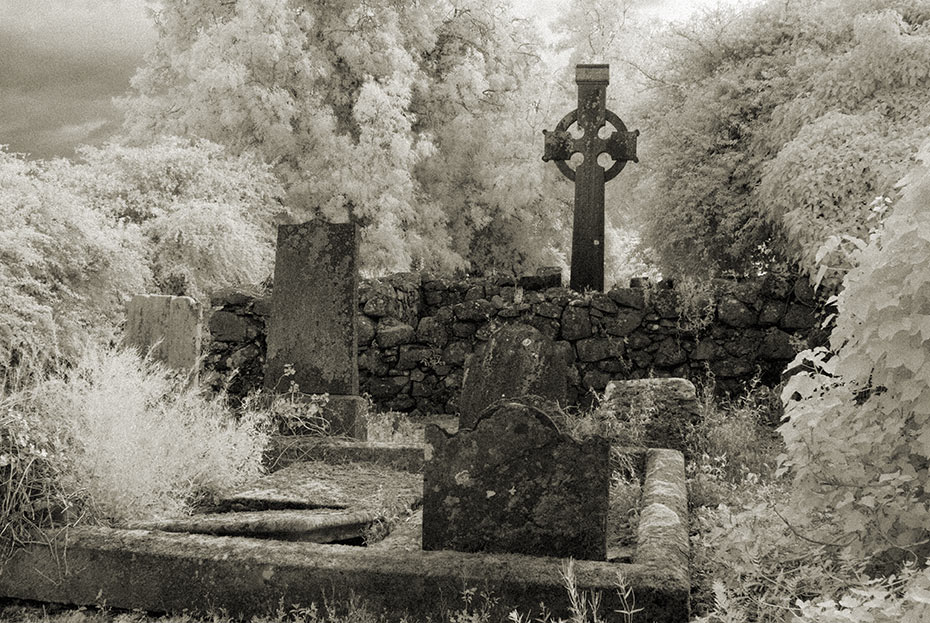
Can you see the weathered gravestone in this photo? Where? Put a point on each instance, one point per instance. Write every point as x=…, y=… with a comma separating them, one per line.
x=312, y=338
x=515, y=484
x=670, y=404
x=167, y=328
x=517, y=361
x=590, y=177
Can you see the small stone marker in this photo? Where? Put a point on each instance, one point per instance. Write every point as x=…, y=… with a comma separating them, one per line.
x=672, y=403
x=515, y=484
x=517, y=361
x=312, y=325
x=166, y=327
x=590, y=177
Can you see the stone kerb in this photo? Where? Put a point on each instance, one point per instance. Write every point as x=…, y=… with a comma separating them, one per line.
x=514, y=484
x=167, y=328
x=517, y=361
x=312, y=335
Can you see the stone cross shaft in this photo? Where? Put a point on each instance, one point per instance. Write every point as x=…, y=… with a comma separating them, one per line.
x=587, y=270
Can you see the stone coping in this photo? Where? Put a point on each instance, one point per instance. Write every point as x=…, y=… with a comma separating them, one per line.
x=169, y=572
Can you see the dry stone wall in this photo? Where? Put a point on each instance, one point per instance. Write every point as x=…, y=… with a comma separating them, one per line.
x=415, y=333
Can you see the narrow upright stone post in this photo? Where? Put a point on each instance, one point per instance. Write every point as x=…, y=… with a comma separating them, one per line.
x=312, y=329
x=587, y=271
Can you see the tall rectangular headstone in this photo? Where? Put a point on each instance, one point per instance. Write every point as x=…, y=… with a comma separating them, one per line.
x=312, y=328
x=166, y=328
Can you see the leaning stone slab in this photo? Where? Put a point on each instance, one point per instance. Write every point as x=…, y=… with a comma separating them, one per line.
x=518, y=361
x=670, y=404
x=166, y=327
x=316, y=526
x=513, y=483
x=202, y=575
x=317, y=484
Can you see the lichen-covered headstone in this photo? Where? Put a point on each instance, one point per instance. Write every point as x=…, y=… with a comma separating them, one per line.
x=312, y=334
x=514, y=484
x=517, y=361
x=166, y=328
x=669, y=405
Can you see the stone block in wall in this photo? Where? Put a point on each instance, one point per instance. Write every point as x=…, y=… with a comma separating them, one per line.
x=603, y=303
x=593, y=349
x=432, y=331
x=771, y=312
x=474, y=293
x=669, y=354
x=671, y=406
x=799, y=316
x=540, y=282
x=730, y=367
x=474, y=311
x=634, y=298
x=547, y=326
x=576, y=323
x=379, y=300
x=366, y=330
x=624, y=323
x=596, y=379
x=547, y=310
x=387, y=387
x=231, y=327
x=409, y=357
x=707, y=350
x=777, y=345
x=456, y=352
x=734, y=312
x=464, y=330
x=666, y=302
x=392, y=332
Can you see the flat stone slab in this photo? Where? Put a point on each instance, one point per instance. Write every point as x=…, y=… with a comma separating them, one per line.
x=289, y=449
x=316, y=526
x=317, y=484
x=175, y=573
x=671, y=404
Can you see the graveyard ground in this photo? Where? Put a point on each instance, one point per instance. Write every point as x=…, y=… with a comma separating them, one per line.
x=734, y=452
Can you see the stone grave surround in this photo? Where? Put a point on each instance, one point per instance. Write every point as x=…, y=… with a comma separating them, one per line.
x=166, y=328
x=513, y=483
x=312, y=327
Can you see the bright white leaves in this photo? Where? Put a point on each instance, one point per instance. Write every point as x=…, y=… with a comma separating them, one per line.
x=853, y=437
x=399, y=114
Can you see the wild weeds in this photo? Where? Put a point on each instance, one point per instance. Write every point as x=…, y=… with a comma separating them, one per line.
x=118, y=437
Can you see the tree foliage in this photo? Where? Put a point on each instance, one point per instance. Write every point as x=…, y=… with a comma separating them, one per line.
x=858, y=427
x=422, y=121
x=207, y=218
x=65, y=270
x=770, y=130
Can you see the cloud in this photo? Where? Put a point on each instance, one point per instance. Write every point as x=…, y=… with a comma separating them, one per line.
x=61, y=63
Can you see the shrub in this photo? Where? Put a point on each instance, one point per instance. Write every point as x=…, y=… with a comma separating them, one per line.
x=127, y=439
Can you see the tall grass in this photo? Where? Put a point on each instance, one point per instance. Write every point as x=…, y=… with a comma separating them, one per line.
x=117, y=437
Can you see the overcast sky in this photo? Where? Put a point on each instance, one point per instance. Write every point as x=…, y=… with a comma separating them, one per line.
x=62, y=62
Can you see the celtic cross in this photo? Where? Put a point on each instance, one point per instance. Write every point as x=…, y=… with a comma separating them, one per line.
x=589, y=177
